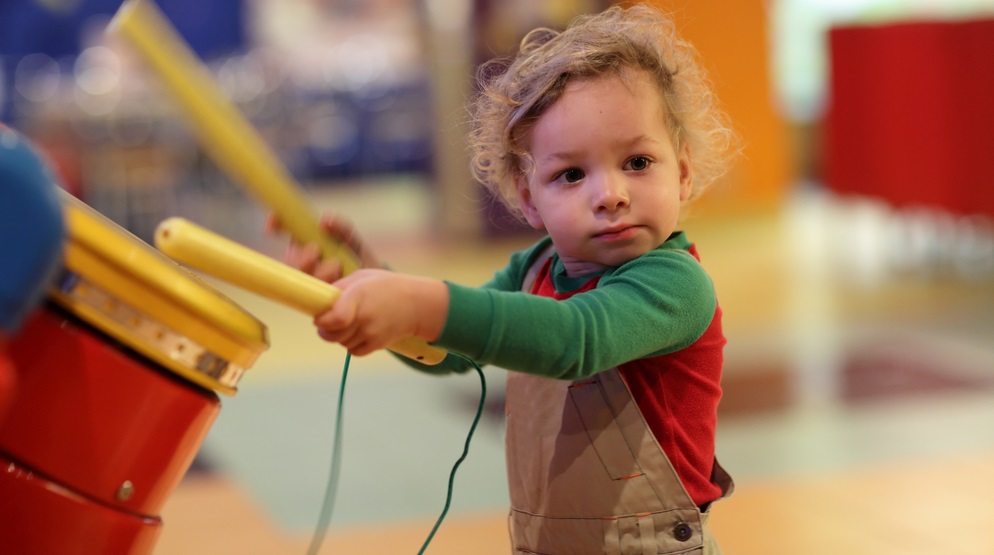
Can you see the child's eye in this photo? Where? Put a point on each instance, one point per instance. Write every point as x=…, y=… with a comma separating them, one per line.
x=638, y=163
x=571, y=175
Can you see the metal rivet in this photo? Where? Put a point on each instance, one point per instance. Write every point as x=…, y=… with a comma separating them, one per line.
x=683, y=532
x=125, y=491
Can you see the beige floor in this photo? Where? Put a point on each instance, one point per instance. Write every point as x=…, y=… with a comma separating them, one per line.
x=859, y=388
x=921, y=507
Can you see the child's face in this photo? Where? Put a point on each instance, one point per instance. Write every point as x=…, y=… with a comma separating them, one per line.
x=607, y=182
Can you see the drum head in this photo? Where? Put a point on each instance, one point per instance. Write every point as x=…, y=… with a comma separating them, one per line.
x=127, y=289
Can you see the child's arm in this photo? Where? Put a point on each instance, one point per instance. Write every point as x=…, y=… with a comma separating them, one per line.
x=307, y=258
x=378, y=307
x=657, y=304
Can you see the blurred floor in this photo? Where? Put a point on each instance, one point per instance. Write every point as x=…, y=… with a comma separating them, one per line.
x=858, y=414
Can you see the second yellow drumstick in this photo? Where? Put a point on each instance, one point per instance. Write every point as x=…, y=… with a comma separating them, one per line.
x=223, y=131
x=243, y=267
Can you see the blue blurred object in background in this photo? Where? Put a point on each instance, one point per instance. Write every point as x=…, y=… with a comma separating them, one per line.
x=57, y=30
x=31, y=228
x=56, y=27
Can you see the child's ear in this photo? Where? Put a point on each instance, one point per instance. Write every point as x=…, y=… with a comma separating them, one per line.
x=686, y=173
x=526, y=203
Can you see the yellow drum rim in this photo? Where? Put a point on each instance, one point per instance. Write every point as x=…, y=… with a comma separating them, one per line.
x=127, y=289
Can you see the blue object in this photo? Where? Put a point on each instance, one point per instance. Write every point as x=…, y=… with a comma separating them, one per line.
x=58, y=28
x=31, y=228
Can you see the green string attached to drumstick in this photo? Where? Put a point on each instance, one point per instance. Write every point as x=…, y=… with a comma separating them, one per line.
x=331, y=491
x=224, y=259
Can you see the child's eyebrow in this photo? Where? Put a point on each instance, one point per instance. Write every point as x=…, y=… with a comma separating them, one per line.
x=567, y=155
x=641, y=139
x=559, y=156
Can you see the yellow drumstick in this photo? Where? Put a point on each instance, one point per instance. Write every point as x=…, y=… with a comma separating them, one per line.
x=227, y=260
x=224, y=133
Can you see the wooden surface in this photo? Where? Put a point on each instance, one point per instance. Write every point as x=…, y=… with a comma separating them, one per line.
x=928, y=507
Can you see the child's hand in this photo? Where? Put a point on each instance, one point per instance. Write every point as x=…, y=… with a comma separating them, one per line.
x=379, y=307
x=307, y=258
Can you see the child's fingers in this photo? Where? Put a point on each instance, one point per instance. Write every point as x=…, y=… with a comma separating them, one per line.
x=339, y=328
x=343, y=337
x=340, y=319
x=273, y=224
x=336, y=225
x=328, y=270
x=303, y=257
x=343, y=230
x=307, y=258
x=361, y=349
x=352, y=344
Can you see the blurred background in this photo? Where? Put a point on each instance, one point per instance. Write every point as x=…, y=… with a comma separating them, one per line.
x=852, y=247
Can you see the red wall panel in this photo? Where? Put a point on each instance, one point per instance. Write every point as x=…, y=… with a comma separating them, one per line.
x=911, y=114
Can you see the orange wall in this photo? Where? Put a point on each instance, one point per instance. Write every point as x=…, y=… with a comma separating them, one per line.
x=731, y=37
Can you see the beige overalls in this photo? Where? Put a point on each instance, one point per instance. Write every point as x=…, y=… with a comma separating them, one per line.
x=586, y=475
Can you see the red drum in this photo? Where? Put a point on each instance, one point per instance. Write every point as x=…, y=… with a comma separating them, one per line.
x=7, y=377
x=117, y=377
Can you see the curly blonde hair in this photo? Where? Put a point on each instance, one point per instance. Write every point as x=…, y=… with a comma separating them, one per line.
x=516, y=92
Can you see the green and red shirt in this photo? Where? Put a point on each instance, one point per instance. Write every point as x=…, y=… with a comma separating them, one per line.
x=655, y=318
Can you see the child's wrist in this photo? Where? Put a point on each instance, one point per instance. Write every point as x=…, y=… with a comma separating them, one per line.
x=432, y=308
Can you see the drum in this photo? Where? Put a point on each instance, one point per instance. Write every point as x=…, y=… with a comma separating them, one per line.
x=118, y=374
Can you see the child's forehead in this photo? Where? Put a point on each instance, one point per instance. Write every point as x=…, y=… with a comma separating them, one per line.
x=572, y=95
x=604, y=107
x=614, y=107
x=634, y=88
x=630, y=78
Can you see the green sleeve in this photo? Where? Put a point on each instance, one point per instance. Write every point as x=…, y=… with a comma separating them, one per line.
x=658, y=303
x=508, y=278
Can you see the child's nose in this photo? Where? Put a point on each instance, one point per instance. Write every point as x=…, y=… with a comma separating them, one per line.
x=612, y=195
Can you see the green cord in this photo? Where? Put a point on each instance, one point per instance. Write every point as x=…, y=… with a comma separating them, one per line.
x=336, y=456
x=465, y=451
x=324, y=521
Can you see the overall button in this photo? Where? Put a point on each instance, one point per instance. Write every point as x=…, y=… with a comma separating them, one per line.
x=683, y=532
